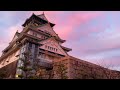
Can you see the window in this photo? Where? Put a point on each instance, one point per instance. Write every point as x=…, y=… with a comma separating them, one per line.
x=45, y=46
x=52, y=48
x=48, y=47
x=56, y=50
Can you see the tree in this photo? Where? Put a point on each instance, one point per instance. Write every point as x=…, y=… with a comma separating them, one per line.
x=60, y=70
x=106, y=70
x=85, y=72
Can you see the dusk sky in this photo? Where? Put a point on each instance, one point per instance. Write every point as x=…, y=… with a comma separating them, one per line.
x=94, y=36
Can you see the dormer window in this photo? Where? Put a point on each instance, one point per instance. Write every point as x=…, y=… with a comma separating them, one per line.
x=45, y=46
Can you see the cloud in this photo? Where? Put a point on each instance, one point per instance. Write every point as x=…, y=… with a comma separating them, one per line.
x=69, y=23
x=92, y=35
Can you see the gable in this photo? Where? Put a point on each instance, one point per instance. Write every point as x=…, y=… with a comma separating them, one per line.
x=53, y=46
x=15, y=37
x=42, y=16
x=47, y=28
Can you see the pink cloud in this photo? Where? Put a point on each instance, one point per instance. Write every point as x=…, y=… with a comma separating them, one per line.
x=94, y=44
x=67, y=25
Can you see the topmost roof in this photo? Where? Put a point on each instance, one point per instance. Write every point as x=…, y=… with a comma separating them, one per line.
x=39, y=17
x=42, y=16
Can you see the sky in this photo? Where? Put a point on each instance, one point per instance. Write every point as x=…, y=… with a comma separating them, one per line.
x=94, y=36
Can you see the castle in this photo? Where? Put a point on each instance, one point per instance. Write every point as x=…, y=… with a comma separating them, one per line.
x=45, y=46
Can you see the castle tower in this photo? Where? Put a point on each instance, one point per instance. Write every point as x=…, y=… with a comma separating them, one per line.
x=39, y=39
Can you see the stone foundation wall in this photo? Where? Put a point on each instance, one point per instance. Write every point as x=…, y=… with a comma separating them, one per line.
x=69, y=68
x=61, y=69
x=80, y=69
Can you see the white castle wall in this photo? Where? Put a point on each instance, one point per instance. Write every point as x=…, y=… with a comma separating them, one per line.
x=11, y=58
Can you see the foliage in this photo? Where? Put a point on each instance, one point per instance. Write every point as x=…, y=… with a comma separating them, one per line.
x=61, y=71
x=3, y=74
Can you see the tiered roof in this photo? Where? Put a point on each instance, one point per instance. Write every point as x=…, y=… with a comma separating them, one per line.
x=40, y=18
